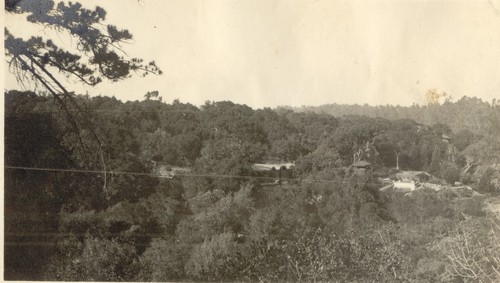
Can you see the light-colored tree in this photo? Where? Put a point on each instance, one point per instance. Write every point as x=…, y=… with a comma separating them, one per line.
x=472, y=250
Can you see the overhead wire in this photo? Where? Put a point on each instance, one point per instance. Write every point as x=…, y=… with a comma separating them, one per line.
x=70, y=170
x=153, y=175
x=157, y=175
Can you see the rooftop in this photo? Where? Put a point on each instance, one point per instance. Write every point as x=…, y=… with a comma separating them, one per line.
x=361, y=163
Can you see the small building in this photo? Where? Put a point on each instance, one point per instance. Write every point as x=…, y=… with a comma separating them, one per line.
x=169, y=172
x=445, y=138
x=404, y=185
x=416, y=176
x=272, y=166
x=363, y=165
x=275, y=171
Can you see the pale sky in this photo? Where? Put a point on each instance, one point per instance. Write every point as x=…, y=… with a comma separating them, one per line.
x=266, y=53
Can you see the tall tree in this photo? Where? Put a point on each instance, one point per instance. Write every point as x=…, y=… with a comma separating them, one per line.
x=35, y=140
x=99, y=53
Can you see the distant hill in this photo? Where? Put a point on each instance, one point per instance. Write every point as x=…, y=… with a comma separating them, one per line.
x=468, y=113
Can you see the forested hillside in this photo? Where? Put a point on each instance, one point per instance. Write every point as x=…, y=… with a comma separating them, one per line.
x=466, y=114
x=93, y=204
x=96, y=189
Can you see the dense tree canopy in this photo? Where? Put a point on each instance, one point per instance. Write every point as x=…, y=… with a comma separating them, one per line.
x=103, y=190
x=468, y=113
x=225, y=221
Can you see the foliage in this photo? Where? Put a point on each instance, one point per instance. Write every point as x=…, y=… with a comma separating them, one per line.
x=214, y=259
x=489, y=181
x=224, y=221
x=97, y=42
x=32, y=198
x=472, y=250
x=451, y=173
x=468, y=113
x=94, y=259
x=163, y=261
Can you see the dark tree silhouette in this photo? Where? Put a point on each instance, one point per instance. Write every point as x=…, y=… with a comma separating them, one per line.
x=99, y=54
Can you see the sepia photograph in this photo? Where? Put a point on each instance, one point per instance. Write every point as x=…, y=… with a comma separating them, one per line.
x=251, y=141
